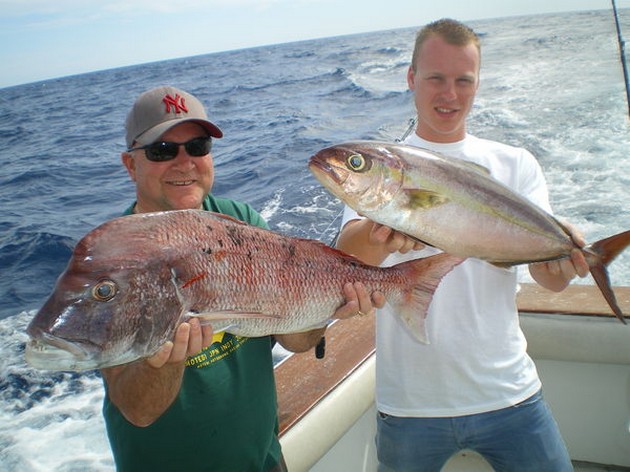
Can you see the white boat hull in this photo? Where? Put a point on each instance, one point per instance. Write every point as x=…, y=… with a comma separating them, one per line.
x=584, y=364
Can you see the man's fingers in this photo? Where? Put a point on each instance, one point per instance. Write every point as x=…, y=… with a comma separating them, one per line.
x=579, y=262
x=195, y=337
x=161, y=357
x=365, y=299
x=207, y=334
x=378, y=299
x=180, y=343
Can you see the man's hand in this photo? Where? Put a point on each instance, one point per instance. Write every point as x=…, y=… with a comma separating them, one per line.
x=359, y=301
x=393, y=240
x=556, y=275
x=190, y=338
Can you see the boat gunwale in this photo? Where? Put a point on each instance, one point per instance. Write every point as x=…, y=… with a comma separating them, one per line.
x=303, y=381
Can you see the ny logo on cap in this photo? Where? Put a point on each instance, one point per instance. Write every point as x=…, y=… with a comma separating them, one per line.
x=178, y=103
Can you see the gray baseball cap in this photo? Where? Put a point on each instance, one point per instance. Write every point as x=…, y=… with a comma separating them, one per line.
x=159, y=109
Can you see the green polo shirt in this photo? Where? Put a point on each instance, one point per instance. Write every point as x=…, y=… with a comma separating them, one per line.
x=225, y=415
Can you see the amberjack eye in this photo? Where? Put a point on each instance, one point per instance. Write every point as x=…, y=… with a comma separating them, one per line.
x=356, y=162
x=104, y=290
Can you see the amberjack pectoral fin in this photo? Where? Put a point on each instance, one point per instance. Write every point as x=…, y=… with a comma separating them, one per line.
x=419, y=198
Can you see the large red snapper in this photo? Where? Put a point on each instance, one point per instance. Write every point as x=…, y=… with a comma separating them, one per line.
x=453, y=205
x=133, y=280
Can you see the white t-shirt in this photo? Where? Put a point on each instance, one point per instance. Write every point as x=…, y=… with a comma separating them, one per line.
x=476, y=360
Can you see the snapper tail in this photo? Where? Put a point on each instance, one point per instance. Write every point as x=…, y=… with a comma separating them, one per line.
x=606, y=250
x=424, y=276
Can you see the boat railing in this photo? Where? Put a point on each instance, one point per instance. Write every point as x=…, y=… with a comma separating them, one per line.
x=581, y=351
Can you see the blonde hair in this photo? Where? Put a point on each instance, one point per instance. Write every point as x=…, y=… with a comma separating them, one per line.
x=452, y=31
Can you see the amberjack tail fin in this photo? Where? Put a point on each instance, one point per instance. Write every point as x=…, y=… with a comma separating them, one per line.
x=424, y=276
x=606, y=251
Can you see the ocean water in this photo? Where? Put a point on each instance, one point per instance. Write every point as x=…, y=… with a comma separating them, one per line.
x=550, y=83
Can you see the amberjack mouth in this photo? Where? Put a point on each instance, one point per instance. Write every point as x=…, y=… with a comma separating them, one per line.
x=322, y=168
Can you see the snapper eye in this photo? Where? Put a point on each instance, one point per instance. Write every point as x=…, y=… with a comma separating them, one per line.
x=356, y=162
x=104, y=290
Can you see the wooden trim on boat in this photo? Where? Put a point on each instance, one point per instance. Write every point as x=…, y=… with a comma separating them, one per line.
x=302, y=380
x=575, y=299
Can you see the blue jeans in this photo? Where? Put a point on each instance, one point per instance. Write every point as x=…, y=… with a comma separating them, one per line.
x=524, y=437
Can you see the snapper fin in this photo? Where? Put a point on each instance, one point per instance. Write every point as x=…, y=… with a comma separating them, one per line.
x=223, y=217
x=223, y=315
x=209, y=318
x=424, y=276
x=425, y=199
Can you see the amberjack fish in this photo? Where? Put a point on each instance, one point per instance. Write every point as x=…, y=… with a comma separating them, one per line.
x=131, y=281
x=455, y=206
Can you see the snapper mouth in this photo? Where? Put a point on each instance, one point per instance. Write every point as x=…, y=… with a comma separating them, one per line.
x=48, y=352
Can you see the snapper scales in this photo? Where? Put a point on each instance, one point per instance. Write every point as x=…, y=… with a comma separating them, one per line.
x=133, y=280
x=455, y=206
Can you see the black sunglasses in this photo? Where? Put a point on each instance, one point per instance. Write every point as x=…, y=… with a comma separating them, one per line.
x=166, y=150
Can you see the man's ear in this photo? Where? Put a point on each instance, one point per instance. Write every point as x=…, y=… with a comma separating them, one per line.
x=411, y=76
x=130, y=164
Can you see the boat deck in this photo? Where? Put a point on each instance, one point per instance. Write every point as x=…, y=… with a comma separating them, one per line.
x=304, y=382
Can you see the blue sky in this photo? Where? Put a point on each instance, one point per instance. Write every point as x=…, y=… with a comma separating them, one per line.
x=42, y=39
